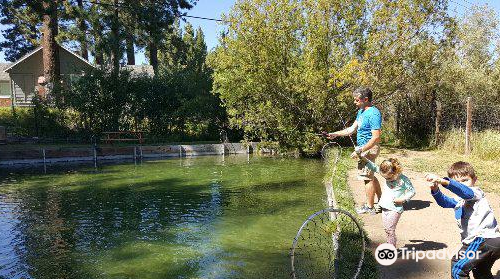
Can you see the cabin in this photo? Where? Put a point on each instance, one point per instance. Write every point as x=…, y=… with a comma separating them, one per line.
x=19, y=79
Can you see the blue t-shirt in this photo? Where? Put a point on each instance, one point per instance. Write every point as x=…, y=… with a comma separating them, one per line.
x=368, y=120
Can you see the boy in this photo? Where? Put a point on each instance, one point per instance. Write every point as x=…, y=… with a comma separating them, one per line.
x=479, y=231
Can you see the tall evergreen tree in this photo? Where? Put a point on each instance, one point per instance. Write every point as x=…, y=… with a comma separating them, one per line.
x=97, y=32
x=51, y=65
x=155, y=19
x=73, y=25
x=115, y=38
x=22, y=21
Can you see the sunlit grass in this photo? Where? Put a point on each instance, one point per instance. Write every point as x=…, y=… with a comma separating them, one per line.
x=485, y=144
x=484, y=157
x=487, y=171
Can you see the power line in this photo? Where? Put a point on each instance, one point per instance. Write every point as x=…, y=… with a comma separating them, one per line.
x=121, y=6
x=206, y=18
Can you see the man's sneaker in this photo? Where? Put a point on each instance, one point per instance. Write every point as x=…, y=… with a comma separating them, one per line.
x=366, y=210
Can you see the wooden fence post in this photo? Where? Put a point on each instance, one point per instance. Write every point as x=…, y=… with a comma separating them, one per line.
x=468, y=127
x=438, y=122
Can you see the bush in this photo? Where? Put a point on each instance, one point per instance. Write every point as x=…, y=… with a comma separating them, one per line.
x=36, y=121
x=169, y=107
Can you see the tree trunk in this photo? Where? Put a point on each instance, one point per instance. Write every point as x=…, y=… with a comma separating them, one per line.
x=115, y=42
x=153, y=55
x=99, y=57
x=97, y=33
x=130, y=50
x=51, y=65
x=80, y=21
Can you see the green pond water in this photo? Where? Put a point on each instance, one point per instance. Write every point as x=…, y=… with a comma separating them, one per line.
x=205, y=217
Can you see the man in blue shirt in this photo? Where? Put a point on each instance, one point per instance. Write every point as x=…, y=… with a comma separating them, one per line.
x=368, y=127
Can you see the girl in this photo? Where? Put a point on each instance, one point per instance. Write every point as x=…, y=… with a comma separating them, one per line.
x=396, y=190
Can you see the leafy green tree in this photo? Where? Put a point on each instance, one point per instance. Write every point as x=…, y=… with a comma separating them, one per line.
x=101, y=98
x=473, y=61
x=402, y=50
x=470, y=65
x=284, y=67
x=183, y=63
x=333, y=45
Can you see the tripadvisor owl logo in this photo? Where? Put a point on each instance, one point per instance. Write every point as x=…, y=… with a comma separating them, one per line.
x=386, y=254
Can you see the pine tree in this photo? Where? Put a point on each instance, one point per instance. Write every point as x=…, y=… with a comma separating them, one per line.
x=73, y=25
x=22, y=21
x=155, y=20
x=51, y=65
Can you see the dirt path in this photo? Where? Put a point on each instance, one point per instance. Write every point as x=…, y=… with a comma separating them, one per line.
x=424, y=225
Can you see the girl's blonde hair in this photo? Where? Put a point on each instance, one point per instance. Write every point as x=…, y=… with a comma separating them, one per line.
x=391, y=166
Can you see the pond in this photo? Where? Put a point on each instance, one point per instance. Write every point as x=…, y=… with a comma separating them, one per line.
x=205, y=217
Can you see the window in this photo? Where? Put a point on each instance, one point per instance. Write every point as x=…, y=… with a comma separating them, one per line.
x=5, y=90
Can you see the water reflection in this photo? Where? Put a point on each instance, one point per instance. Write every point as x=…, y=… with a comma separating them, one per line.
x=183, y=218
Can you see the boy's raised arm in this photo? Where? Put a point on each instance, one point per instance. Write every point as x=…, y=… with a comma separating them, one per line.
x=460, y=189
x=454, y=186
x=443, y=200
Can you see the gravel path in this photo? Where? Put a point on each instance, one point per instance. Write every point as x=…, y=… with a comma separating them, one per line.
x=424, y=225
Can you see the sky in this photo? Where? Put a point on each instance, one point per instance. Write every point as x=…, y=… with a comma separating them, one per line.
x=211, y=29
x=215, y=8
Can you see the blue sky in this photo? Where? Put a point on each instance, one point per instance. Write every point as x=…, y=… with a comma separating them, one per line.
x=215, y=8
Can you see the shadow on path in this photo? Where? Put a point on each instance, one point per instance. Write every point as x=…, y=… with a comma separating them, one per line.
x=425, y=245
x=417, y=205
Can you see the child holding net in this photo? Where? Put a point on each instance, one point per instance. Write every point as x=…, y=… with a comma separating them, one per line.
x=396, y=190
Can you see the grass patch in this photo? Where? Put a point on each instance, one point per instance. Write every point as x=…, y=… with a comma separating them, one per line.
x=485, y=144
x=484, y=157
x=345, y=200
x=438, y=161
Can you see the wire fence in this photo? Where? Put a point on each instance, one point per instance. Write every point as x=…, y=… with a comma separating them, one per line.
x=465, y=126
x=470, y=126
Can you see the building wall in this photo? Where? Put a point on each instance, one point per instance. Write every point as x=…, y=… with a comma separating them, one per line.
x=5, y=94
x=25, y=74
x=5, y=91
